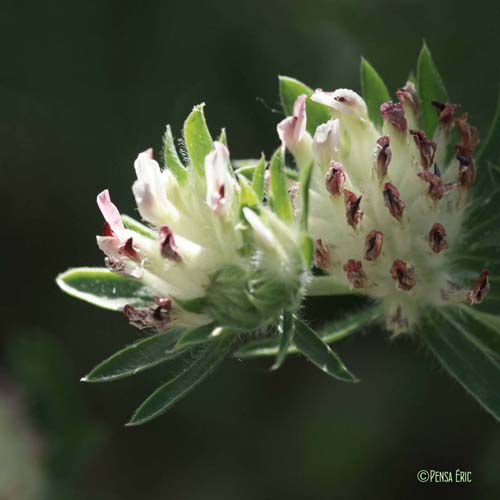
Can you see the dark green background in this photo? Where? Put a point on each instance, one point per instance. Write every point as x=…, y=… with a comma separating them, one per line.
x=85, y=86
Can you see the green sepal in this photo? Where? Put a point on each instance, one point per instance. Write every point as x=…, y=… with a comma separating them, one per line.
x=171, y=158
x=290, y=89
x=258, y=178
x=332, y=332
x=142, y=355
x=202, y=334
x=197, y=305
x=430, y=87
x=247, y=196
x=184, y=381
x=310, y=344
x=286, y=330
x=374, y=91
x=103, y=288
x=137, y=227
x=278, y=189
x=306, y=249
x=304, y=183
x=455, y=341
x=197, y=138
x=222, y=137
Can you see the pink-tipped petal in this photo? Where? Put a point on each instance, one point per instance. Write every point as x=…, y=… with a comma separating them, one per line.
x=219, y=181
x=291, y=130
x=110, y=213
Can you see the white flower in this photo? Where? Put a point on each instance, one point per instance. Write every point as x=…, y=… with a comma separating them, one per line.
x=196, y=251
x=383, y=214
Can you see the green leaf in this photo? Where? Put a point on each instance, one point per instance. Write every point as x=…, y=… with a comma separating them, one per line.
x=456, y=347
x=259, y=177
x=138, y=227
x=485, y=328
x=183, y=382
x=135, y=358
x=374, y=91
x=304, y=183
x=332, y=332
x=489, y=150
x=278, y=191
x=308, y=342
x=198, y=139
x=290, y=89
x=286, y=329
x=171, y=158
x=430, y=87
x=202, y=334
x=103, y=288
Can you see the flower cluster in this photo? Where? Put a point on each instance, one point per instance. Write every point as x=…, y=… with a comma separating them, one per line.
x=381, y=200
x=387, y=203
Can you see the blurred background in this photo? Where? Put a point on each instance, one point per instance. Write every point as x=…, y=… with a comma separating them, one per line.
x=84, y=87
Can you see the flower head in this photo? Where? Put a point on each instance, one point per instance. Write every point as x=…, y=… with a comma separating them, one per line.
x=389, y=203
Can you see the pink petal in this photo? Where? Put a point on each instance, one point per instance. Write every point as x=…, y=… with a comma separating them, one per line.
x=110, y=213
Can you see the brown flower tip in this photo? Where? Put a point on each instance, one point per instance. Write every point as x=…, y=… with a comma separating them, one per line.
x=466, y=171
x=373, y=244
x=167, y=244
x=393, y=113
x=437, y=188
x=399, y=321
x=335, y=178
x=321, y=255
x=393, y=201
x=128, y=250
x=469, y=136
x=408, y=95
x=480, y=290
x=353, y=212
x=156, y=317
x=355, y=274
x=427, y=148
x=446, y=113
x=403, y=274
x=382, y=156
x=436, y=238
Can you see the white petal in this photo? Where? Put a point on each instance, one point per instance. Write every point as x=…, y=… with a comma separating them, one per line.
x=326, y=142
x=344, y=101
